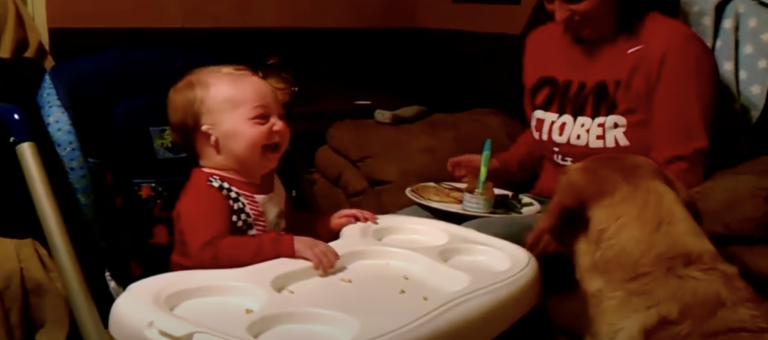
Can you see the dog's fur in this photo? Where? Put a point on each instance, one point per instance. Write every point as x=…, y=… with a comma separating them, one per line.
x=646, y=268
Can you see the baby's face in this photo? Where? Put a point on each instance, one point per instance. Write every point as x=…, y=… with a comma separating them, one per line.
x=248, y=122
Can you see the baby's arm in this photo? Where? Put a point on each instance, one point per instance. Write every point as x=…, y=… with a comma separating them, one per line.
x=327, y=228
x=311, y=225
x=203, y=239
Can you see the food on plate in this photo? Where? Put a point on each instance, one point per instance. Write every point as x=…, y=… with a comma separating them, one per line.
x=289, y=291
x=424, y=298
x=405, y=277
x=436, y=193
x=248, y=311
x=402, y=291
x=479, y=200
x=345, y=280
x=503, y=204
x=509, y=204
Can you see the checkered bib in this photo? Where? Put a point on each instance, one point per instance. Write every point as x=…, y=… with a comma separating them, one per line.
x=243, y=221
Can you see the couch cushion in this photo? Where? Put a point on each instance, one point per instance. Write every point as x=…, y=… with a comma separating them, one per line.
x=338, y=170
x=752, y=264
x=734, y=202
x=733, y=206
x=374, y=163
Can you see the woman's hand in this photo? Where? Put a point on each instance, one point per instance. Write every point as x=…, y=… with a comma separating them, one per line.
x=467, y=167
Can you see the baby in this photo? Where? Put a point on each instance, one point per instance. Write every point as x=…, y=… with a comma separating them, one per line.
x=231, y=212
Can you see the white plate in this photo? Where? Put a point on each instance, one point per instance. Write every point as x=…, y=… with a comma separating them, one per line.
x=456, y=208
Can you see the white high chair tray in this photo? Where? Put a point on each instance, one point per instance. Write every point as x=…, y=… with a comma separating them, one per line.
x=403, y=278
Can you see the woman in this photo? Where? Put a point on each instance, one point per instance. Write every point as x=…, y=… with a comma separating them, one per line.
x=606, y=76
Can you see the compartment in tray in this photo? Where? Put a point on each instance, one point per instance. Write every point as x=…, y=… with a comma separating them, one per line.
x=306, y=324
x=217, y=306
x=375, y=270
x=471, y=257
x=409, y=236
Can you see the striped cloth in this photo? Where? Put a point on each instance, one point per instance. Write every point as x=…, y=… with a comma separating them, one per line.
x=253, y=207
x=247, y=215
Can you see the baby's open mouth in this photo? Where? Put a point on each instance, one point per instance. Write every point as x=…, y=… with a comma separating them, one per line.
x=272, y=147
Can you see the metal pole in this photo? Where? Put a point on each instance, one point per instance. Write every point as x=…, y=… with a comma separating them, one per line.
x=79, y=297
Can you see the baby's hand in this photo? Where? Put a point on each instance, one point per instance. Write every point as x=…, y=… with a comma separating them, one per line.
x=322, y=256
x=345, y=217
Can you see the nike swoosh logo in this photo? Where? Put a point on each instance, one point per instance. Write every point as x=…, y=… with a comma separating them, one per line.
x=633, y=49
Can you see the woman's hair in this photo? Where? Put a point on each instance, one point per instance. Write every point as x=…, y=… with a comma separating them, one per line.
x=630, y=13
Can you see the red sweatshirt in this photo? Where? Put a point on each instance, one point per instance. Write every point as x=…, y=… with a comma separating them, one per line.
x=650, y=94
x=202, y=225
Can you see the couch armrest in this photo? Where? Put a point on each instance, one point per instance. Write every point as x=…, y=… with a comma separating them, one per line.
x=751, y=263
x=340, y=172
x=734, y=203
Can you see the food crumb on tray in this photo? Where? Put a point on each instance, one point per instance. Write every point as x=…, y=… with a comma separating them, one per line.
x=424, y=298
x=345, y=280
x=405, y=277
x=402, y=291
x=288, y=291
x=248, y=311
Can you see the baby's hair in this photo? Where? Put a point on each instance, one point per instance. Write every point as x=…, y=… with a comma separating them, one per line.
x=185, y=101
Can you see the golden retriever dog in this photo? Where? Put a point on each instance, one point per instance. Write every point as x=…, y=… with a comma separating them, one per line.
x=645, y=267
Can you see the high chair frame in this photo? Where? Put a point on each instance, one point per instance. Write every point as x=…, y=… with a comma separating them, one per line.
x=79, y=297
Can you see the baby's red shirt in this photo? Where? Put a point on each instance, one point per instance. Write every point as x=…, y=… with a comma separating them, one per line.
x=203, y=236
x=651, y=93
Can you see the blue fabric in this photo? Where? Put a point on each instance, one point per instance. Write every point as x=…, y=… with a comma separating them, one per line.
x=90, y=87
x=741, y=48
x=702, y=17
x=67, y=145
x=737, y=30
x=15, y=121
x=87, y=101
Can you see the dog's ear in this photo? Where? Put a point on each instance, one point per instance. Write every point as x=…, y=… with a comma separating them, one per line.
x=565, y=218
x=685, y=196
x=568, y=223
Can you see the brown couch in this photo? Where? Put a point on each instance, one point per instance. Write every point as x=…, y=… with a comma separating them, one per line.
x=368, y=165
